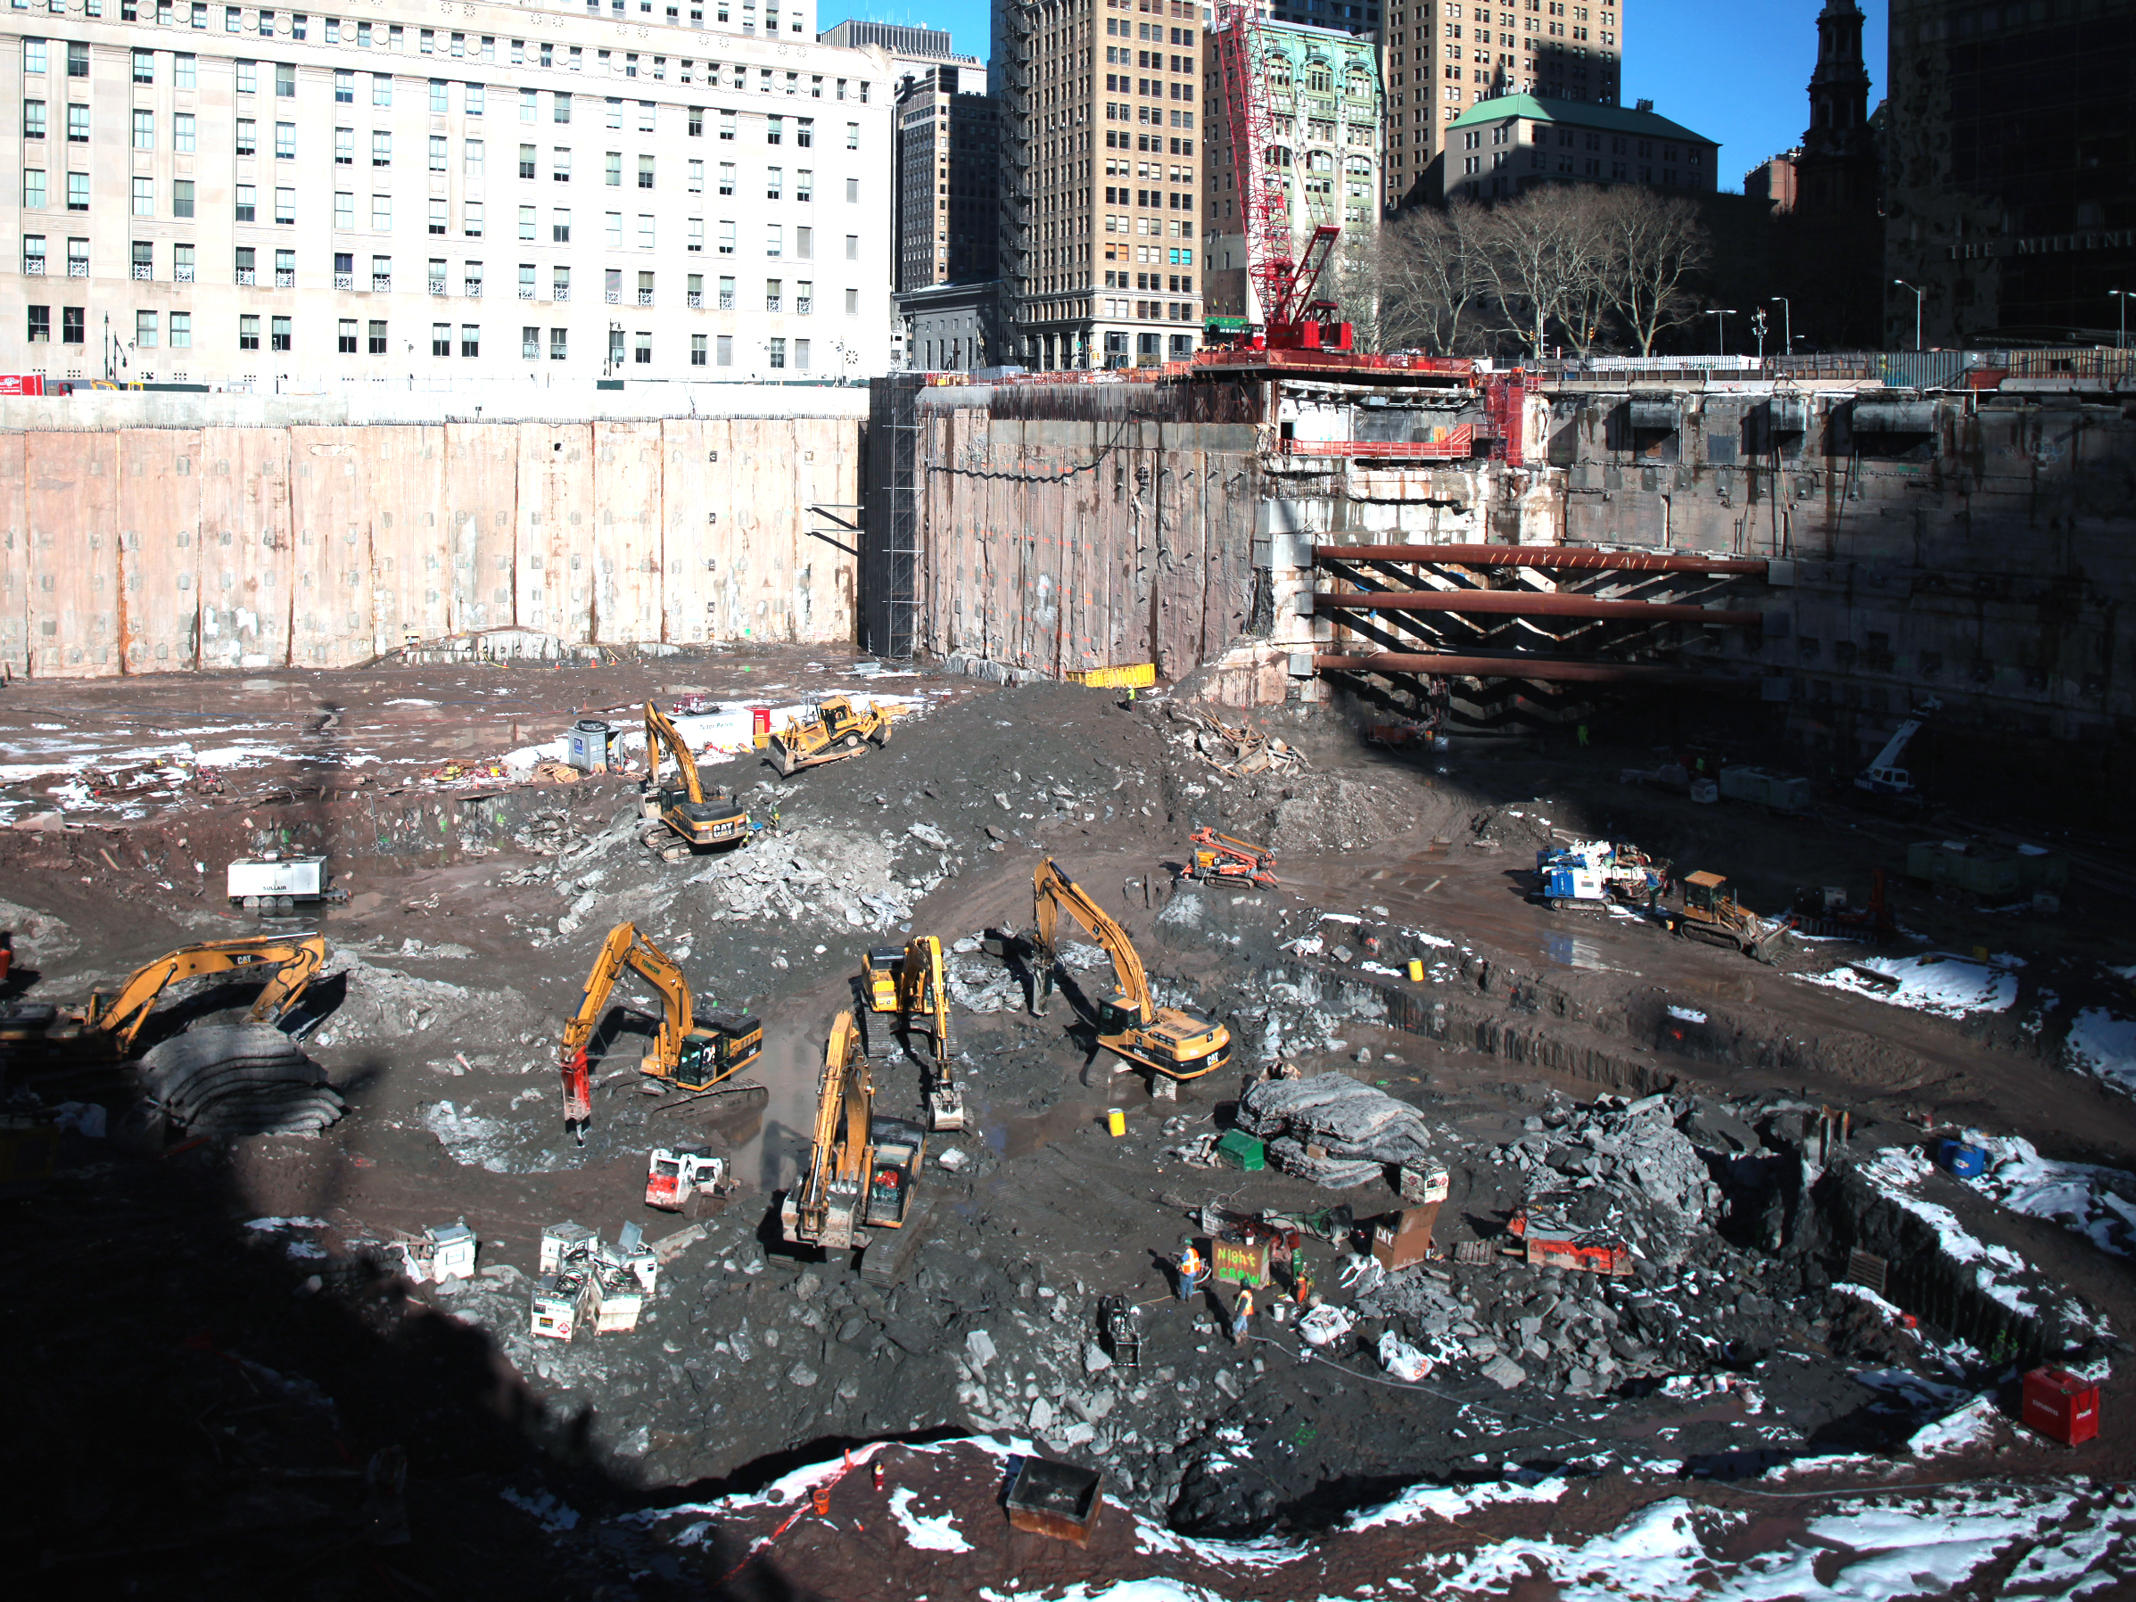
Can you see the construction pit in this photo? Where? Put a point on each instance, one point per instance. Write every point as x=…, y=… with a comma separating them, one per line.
x=1802, y=1380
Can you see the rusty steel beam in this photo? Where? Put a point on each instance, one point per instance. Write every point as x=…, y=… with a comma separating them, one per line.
x=1544, y=668
x=1545, y=556
x=1519, y=603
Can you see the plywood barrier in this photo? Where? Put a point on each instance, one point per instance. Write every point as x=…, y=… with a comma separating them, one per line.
x=159, y=550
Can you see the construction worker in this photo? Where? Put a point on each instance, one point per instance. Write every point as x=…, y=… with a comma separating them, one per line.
x=1241, y=1316
x=1301, y=1284
x=1192, y=1272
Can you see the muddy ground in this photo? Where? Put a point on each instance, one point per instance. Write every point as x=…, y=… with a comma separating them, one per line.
x=255, y=1375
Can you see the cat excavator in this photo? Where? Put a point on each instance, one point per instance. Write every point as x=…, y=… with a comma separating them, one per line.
x=861, y=1169
x=1172, y=1044
x=908, y=985
x=106, y=1029
x=686, y=1054
x=831, y=732
x=689, y=817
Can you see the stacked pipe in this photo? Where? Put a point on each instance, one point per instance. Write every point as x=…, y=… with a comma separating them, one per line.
x=250, y=1079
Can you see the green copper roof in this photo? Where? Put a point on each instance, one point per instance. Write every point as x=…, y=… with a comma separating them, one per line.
x=1580, y=113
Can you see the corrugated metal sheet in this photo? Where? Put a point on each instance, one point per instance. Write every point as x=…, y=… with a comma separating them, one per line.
x=1922, y=369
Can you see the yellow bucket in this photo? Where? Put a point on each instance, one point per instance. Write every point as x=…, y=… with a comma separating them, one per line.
x=1416, y=970
x=1116, y=1122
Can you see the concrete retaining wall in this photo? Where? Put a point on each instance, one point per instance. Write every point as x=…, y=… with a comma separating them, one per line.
x=141, y=550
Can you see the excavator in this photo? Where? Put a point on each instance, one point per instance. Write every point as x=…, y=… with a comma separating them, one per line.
x=861, y=1168
x=833, y=731
x=908, y=985
x=1170, y=1043
x=106, y=1028
x=690, y=819
x=686, y=1054
x=1221, y=859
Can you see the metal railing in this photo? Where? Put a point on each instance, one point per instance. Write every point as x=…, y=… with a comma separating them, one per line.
x=437, y=287
x=34, y=266
x=77, y=269
x=560, y=292
x=526, y=291
x=181, y=275
x=614, y=297
x=695, y=297
x=246, y=275
x=471, y=291
x=344, y=280
x=381, y=283
x=645, y=297
x=285, y=278
x=144, y=272
x=1455, y=445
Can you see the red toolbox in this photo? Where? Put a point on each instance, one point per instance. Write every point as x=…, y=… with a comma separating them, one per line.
x=2060, y=1406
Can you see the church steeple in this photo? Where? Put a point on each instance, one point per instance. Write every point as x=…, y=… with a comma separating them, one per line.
x=1839, y=88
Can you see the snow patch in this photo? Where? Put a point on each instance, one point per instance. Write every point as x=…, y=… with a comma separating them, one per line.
x=1935, y=982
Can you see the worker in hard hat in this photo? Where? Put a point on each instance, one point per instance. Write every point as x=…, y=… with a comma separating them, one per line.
x=1192, y=1272
x=1241, y=1316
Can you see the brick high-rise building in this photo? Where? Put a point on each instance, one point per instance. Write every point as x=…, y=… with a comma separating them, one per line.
x=1443, y=56
x=948, y=165
x=1102, y=117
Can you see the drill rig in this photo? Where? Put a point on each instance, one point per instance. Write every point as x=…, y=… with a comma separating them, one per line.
x=686, y=1054
x=1282, y=279
x=1170, y=1043
x=908, y=986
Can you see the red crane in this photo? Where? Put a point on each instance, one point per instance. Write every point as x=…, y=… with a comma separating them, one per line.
x=1292, y=318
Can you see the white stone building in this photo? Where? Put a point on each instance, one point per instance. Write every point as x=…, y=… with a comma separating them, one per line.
x=228, y=194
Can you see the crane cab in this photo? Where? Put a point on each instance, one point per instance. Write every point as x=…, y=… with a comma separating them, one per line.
x=898, y=1148
x=880, y=970
x=724, y=1044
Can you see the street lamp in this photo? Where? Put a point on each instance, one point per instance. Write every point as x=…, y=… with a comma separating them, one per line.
x=2121, y=340
x=1917, y=292
x=1721, y=328
x=1787, y=325
x=1757, y=323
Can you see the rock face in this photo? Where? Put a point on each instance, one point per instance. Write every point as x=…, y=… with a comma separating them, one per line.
x=1354, y=1131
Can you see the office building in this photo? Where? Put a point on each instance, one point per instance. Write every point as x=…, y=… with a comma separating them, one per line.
x=1444, y=56
x=2009, y=150
x=228, y=194
x=1324, y=105
x=1102, y=120
x=948, y=166
x=1504, y=147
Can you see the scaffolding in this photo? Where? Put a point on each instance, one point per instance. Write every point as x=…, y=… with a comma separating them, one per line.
x=890, y=518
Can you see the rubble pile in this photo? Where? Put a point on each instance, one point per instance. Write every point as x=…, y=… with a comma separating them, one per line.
x=1626, y=1168
x=1334, y=1131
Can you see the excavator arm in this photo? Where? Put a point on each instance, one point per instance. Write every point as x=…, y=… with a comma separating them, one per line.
x=624, y=947
x=296, y=962
x=1054, y=892
x=661, y=734
x=839, y=1146
x=923, y=996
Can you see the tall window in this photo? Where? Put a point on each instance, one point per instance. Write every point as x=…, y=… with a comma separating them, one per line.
x=144, y=130
x=279, y=333
x=248, y=332
x=345, y=337
x=377, y=341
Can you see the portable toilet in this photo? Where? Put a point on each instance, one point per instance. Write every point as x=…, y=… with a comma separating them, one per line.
x=592, y=745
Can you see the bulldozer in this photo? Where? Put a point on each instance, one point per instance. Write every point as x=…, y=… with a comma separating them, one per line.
x=831, y=732
x=1169, y=1042
x=690, y=817
x=862, y=1169
x=686, y=1054
x=105, y=1029
x=1222, y=859
x=908, y=986
x=1711, y=911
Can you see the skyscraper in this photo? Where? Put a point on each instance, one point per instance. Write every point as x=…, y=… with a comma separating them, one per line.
x=1101, y=127
x=1442, y=56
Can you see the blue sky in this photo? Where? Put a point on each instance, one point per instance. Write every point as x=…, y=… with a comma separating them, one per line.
x=1734, y=70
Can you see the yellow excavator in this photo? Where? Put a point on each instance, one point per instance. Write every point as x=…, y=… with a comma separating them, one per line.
x=1171, y=1043
x=831, y=732
x=908, y=985
x=861, y=1169
x=686, y=1054
x=690, y=818
x=106, y=1028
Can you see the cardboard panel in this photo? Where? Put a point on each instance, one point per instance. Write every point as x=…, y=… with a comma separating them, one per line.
x=70, y=497
x=330, y=509
x=481, y=523
x=159, y=549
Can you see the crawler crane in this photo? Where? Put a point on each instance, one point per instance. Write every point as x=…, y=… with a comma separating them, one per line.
x=908, y=985
x=685, y=1054
x=689, y=817
x=1170, y=1043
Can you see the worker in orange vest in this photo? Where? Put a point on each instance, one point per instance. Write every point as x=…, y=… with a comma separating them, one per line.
x=1241, y=1316
x=1191, y=1272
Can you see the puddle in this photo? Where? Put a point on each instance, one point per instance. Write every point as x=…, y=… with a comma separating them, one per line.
x=1573, y=951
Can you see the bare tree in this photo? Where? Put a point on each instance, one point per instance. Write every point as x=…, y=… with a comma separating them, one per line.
x=1654, y=246
x=1431, y=279
x=1540, y=256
